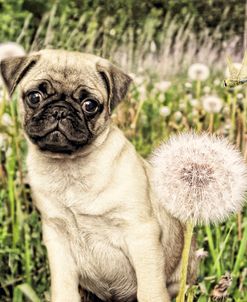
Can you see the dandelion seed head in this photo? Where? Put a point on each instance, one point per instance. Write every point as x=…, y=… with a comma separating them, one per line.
x=194, y=102
x=206, y=89
x=10, y=49
x=178, y=116
x=240, y=96
x=194, y=113
x=188, y=85
x=198, y=72
x=165, y=111
x=142, y=92
x=199, y=178
x=6, y=120
x=201, y=254
x=217, y=82
x=162, y=86
x=137, y=79
x=212, y=104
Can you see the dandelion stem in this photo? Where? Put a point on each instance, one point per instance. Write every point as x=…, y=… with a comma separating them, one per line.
x=244, y=117
x=185, y=260
x=211, y=123
x=133, y=125
x=233, y=118
x=198, y=89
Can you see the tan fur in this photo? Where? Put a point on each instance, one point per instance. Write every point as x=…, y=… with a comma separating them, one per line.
x=102, y=225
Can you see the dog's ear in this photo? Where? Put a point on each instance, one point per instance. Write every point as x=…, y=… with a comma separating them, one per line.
x=117, y=82
x=13, y=69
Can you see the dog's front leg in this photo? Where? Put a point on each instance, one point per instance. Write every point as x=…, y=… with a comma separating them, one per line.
x=64, y=276
x=147, y=257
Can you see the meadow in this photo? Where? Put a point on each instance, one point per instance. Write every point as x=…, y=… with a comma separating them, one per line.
x=177, y=86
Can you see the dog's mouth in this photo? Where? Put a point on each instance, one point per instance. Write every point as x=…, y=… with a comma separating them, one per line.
x=57, y=142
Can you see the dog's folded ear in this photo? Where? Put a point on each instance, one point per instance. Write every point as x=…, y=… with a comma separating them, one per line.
x=13, y=69
x=117, y=82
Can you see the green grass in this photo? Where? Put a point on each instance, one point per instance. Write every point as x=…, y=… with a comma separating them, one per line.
x=24, y=273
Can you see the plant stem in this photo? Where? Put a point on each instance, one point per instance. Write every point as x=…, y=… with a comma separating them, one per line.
x=198, y=89
x=212, y=249
x=241, y=251
x=185, y=260
x=211, y=123
x=233, y=118
x=134, y=123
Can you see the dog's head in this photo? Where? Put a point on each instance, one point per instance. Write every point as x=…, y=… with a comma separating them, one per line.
x=67, y=97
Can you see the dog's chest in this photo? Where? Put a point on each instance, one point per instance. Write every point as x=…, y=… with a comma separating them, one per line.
x=90, y=217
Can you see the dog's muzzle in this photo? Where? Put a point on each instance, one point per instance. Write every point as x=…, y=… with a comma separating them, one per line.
x=58, y=127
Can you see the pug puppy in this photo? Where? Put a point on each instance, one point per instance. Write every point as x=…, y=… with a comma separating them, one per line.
x=107, y=237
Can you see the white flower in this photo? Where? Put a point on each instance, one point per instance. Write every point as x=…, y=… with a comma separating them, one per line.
x=153, y=47
x=165, y=111
x=226, y=110
x=198, y=72
x=206, y=89
x=182, y=106
x=3, y=141
x=9, y=152
x=188, y=85
x=6, y=120
x=194, y=102
x=240, y=96
x=236, y=65
x=199, y=178
x=201, y=254
x=142, y=92
x=178, y=116
x=162, y=86
x=138, y=80
x=161, y=97
x=217, y=82
x=11, y=49
x=112, y=32
x=194, y=113
x=212, y=104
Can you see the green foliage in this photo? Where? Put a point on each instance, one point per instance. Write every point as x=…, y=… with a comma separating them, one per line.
x=129, y=16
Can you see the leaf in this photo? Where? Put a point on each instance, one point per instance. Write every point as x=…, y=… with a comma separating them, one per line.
x=27, y=290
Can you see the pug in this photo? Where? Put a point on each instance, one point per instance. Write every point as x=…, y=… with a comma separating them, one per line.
x=107, y=237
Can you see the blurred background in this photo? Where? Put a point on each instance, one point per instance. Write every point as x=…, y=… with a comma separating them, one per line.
x=175, y=52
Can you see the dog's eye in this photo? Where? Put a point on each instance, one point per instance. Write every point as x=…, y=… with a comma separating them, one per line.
x=34, y=98
x=90, y=106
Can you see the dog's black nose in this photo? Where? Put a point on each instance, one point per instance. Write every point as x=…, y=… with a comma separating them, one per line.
x=59, y=113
